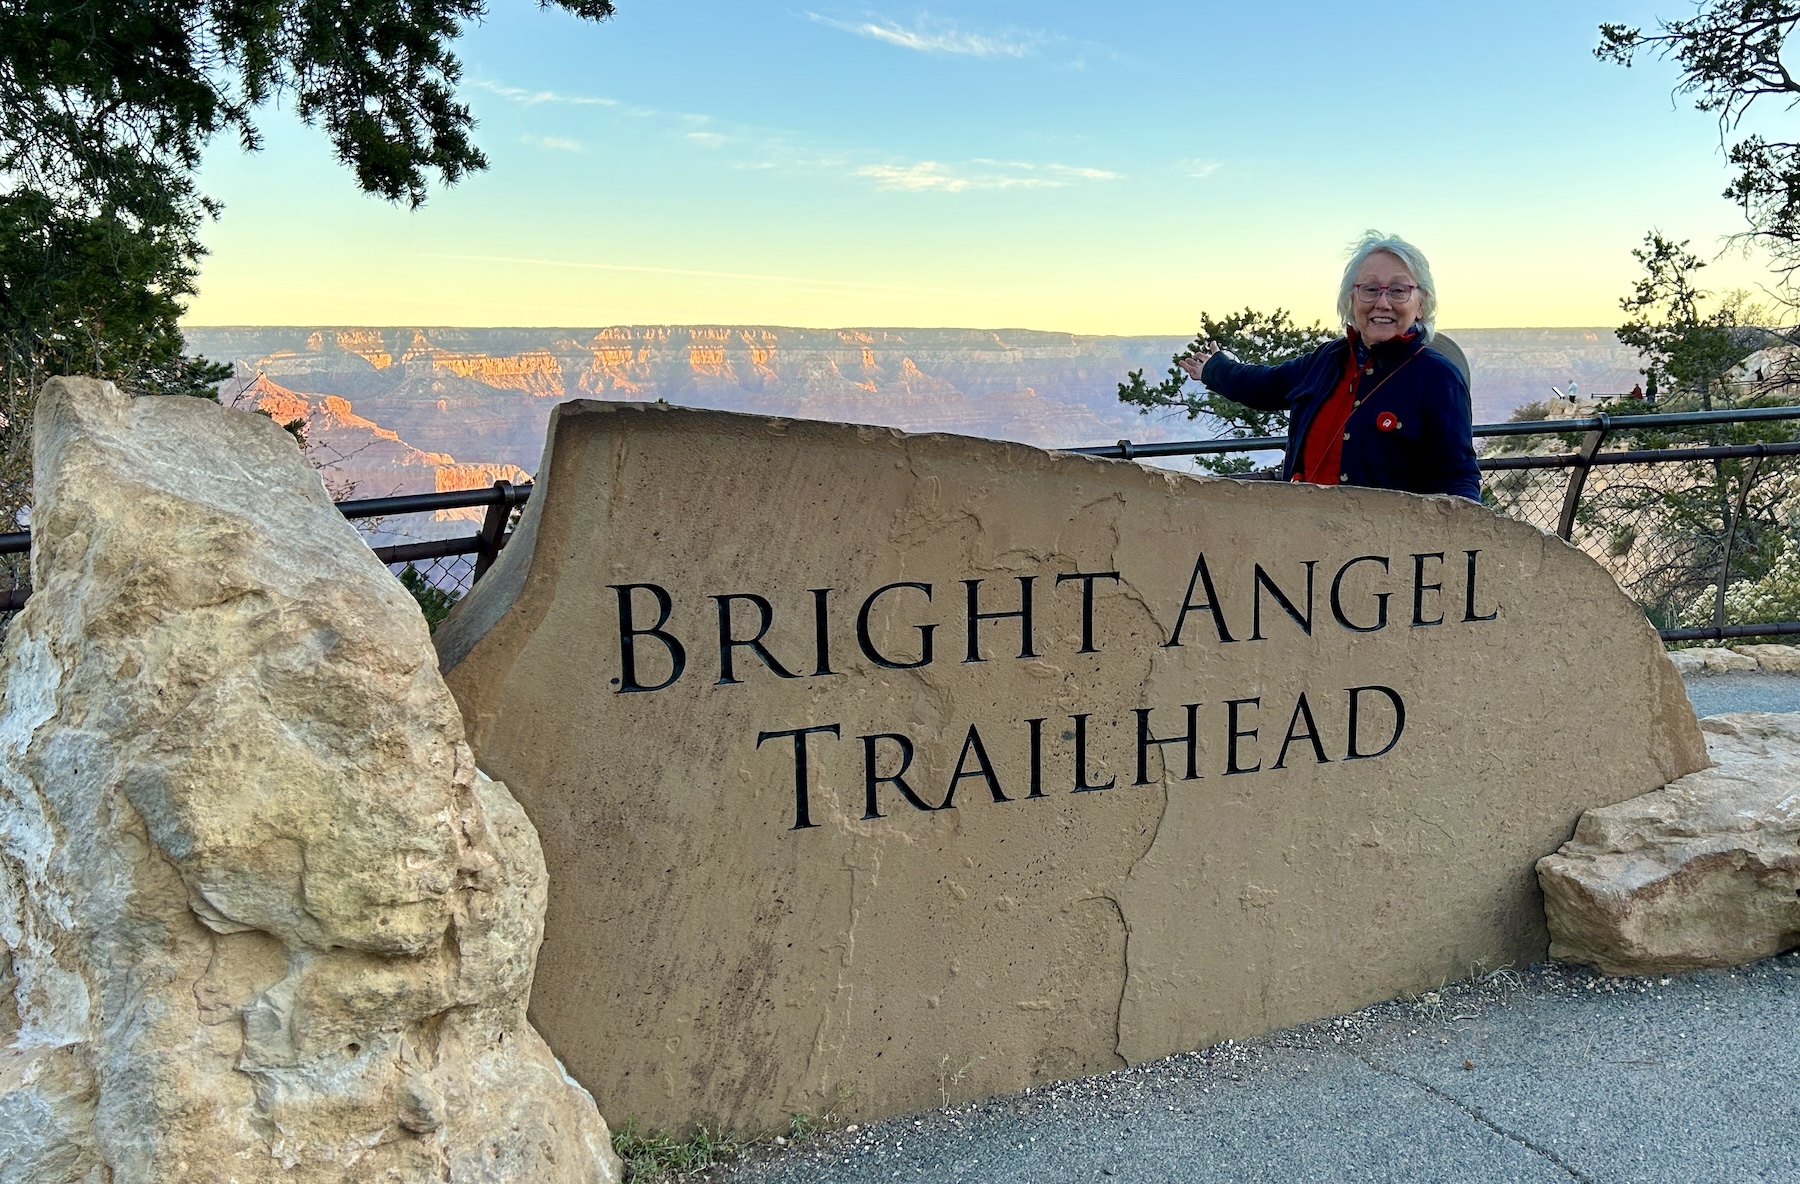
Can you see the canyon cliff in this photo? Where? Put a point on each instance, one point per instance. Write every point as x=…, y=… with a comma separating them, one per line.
x=408, y=409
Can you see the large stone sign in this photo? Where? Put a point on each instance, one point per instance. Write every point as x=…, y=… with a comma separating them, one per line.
x=875, y=770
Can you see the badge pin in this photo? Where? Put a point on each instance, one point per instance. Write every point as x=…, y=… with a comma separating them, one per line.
x=1387, y=421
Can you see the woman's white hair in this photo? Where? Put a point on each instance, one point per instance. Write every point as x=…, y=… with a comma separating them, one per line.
x=1373, y=242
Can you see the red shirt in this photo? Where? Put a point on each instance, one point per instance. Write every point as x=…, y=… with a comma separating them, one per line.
x=1323, y=447
x=1322, y=452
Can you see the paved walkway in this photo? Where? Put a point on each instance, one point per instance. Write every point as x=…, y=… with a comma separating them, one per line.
x=1555, y=1074
x=1715, y=694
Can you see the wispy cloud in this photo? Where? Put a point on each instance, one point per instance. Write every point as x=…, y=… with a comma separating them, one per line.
x=927, y=176
x=555, y=143
x=533, y=98
x=1198, y=168
x=715, y=275
x=761, y=149
x=934, y=36
x=538, y=98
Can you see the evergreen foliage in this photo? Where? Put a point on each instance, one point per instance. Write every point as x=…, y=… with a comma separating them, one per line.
x=1266, y=339
x=434, y=602
x=1673, y=520
x=105, y=109
x=1731, y=56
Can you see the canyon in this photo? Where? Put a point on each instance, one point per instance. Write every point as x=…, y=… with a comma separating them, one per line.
x=410, y=410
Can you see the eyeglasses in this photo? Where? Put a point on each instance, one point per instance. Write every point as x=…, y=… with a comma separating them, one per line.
x=1396, y=293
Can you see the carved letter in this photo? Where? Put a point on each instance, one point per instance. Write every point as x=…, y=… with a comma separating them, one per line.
x=802, y=815
x=629, y=633
x=1087, y=579
x=976, y=616
x=1081, y=781
x=1036, y=730
x=1233, y=734
x=1399, y=722
x=821, y=637
x=984, y=769
x=1145, y=740
x=1263, y=581
x=868, y=646
x=897, y=780
x=1211, y=604
x=1312, y=733
x=1381, y=598
x=728, y=643
x=1469, y=593
x=1420, y=587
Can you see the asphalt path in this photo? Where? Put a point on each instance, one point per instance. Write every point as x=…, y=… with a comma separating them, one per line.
x=1555, y=1073
x=1716, y=694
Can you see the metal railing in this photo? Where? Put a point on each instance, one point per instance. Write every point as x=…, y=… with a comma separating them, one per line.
x=452, y=565
x=479, y=549
x=1586, y=457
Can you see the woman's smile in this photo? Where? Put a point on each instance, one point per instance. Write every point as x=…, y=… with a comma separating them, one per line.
x=1384, y=318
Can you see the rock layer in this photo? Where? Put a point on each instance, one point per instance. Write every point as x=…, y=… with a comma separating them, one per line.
x=1703, y=872
x=260, y=916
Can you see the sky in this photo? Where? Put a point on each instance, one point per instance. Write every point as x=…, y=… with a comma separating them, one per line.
x=1112, y=168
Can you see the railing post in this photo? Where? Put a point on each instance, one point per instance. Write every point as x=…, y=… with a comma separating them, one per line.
x=1737, y=515
x=493, y=530
x=1565, y=525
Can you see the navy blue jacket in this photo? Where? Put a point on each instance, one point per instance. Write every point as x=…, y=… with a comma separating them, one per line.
x=1429, y=448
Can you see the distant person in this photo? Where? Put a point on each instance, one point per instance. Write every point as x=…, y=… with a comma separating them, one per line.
x=1377, y=407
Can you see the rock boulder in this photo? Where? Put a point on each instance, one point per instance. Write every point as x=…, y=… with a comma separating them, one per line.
x=1703, y=872
x=1711, y=660
x=260, y=916
x=1772, y=659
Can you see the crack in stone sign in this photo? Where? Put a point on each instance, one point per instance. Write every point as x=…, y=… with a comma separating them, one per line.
x=1361, y=580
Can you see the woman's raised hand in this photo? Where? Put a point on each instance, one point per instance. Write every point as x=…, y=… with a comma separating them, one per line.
x=1196, y=361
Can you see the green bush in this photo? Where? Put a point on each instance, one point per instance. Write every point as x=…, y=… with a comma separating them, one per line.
x=434, y=602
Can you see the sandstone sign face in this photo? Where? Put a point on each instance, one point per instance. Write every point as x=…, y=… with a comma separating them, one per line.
x=877, y=770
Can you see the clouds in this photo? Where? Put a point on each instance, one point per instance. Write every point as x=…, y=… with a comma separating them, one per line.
x=927, y=176
x=533, y=98
x=555, y=143
x=939, y=37
x=747, y=147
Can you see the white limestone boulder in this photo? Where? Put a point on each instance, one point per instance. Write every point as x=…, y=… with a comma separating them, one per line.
x=1771, y=659
x=1703, y=872
x=1711, y=660
x=260, y=917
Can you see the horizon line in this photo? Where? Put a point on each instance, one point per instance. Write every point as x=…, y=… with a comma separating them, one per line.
x=422, y=325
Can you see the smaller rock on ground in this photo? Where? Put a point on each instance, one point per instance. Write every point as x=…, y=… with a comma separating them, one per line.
x=1773, y=659
x=1703, y=872
x=1704, y=660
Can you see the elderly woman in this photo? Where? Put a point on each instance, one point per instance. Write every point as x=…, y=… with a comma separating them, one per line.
x=1378, y=406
